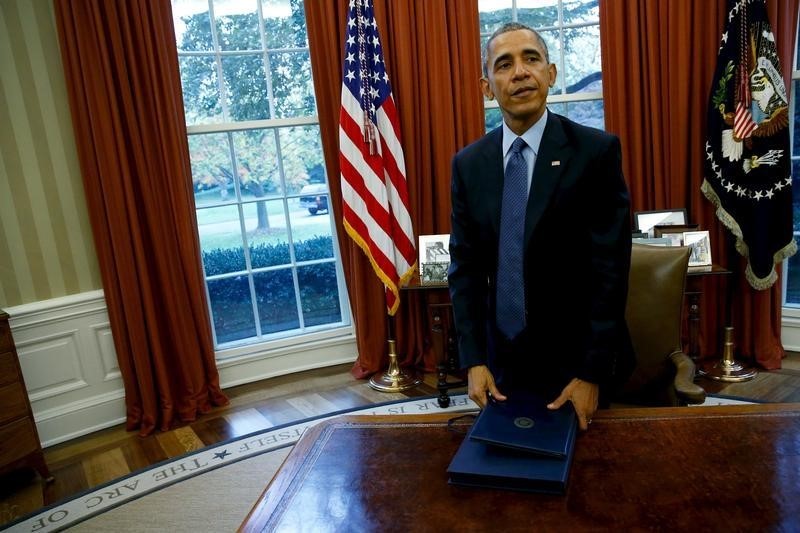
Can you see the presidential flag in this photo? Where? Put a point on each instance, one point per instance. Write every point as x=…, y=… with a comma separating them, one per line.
x=374, y=189
x=747, y=166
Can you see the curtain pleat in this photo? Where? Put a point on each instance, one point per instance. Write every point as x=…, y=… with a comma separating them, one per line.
x=432, y=57
x=658, y=63
x=121, y=69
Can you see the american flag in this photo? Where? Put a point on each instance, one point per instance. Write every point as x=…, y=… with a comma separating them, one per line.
x=374, y=189
x=743, y=124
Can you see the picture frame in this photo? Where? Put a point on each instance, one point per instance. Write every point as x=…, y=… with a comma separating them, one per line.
x=700, y=243
x=673, y=232
x=434, y=258
x=646, y=220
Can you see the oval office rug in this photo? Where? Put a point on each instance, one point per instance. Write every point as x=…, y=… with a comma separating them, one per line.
x=186, y=491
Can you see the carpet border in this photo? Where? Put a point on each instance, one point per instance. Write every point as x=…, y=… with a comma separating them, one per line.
x=458, y=403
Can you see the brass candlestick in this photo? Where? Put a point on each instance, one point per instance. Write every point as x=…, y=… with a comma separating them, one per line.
x=394, y=379
x=727, y=369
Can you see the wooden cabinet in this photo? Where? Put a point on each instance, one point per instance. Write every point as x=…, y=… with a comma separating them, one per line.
x=19, y=440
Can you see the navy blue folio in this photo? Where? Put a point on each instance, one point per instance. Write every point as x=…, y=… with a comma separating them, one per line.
x=524, y=422
x=538, y=464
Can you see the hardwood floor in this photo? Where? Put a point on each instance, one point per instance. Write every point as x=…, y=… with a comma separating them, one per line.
x=105, y=455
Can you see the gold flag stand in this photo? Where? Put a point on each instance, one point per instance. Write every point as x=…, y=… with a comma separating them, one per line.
x=727, y=369
x=394, y=379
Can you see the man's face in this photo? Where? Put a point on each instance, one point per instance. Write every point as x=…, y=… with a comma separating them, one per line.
x=519, y=76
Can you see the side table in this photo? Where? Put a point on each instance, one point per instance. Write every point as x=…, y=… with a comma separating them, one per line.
x=695, y=276
x=439, y=311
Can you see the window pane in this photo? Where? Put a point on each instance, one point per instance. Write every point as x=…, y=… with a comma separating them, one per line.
x=265, y=223
x=582, y=58
x=492, y=14
x=319, y=294
x=553, y=43
x=220, y=240
x=201, y=101
x=796, y=126
x=577, y=11
x=285, y=24
x=212, y=170
x=303, y=161
x=291, y=84
x=561, y=109
x=311, y=232
x=277, y=306
x=317, y=247
x=589, y=113
x=257, y=164
x=793, y=278
x=796, y=195
x=192, y=25
x=231, y=307
x=797, y=54
x=245, y=87
x=494, y=118
x=537, y=13
x=237, y=25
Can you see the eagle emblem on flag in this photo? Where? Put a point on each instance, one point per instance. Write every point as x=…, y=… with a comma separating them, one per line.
x=747, y=164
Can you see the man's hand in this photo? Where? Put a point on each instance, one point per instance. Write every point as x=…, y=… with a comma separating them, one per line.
x=583, y=396
x=481, y=381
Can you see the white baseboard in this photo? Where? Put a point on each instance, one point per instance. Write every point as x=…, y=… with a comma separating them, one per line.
x=70, y=366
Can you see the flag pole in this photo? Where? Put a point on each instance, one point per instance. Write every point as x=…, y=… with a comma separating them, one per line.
x=727, y=369
x=394, y=379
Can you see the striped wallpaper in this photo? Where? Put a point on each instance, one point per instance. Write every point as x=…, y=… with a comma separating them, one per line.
x=46, y=248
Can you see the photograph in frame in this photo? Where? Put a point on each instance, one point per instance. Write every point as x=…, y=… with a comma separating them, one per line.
x=673, y=232
x=434, y=258
x=700, y=243
x=645, y=221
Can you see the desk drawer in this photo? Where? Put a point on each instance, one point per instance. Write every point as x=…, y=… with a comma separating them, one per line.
x=13, y=402
x=8, y=368
x=6, y=342
x=17, y=440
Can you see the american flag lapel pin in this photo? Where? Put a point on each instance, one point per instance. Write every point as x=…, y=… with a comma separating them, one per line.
x=555, y=163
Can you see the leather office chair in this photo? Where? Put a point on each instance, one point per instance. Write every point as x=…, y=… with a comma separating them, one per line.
x=664, y=374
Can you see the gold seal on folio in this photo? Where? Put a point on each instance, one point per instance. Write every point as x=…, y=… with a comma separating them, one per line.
x=523, y=422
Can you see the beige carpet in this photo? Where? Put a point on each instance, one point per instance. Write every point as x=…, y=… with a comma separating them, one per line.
x=217, y=501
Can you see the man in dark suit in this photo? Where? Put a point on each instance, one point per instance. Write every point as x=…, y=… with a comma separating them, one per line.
x=574, y=257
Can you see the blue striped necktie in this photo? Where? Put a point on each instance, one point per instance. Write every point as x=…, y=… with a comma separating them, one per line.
x=510, y=313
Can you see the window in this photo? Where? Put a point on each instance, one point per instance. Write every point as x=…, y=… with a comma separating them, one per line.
x=571, y=30
x=267, y=240
x=791, y=292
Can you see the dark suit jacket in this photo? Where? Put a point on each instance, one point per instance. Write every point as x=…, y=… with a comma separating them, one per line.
x=577, y=256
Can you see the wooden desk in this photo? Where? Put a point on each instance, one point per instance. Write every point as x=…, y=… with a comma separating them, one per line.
x=734, y=468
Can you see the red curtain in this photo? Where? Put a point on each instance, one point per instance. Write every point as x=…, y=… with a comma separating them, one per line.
x=433, y=60
x=658, y=63
x=121, y=68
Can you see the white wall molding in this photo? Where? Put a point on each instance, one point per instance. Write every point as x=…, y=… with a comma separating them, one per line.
x=70, y=367
x=790, y=329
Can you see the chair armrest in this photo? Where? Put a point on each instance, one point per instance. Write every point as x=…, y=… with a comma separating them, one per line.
x=685, y=386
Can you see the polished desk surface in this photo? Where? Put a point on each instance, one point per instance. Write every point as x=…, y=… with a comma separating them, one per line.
x=731, y=468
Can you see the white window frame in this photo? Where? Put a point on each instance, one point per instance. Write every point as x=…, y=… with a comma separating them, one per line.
x=790, y=313
x=291, y=341
x=561, y=97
